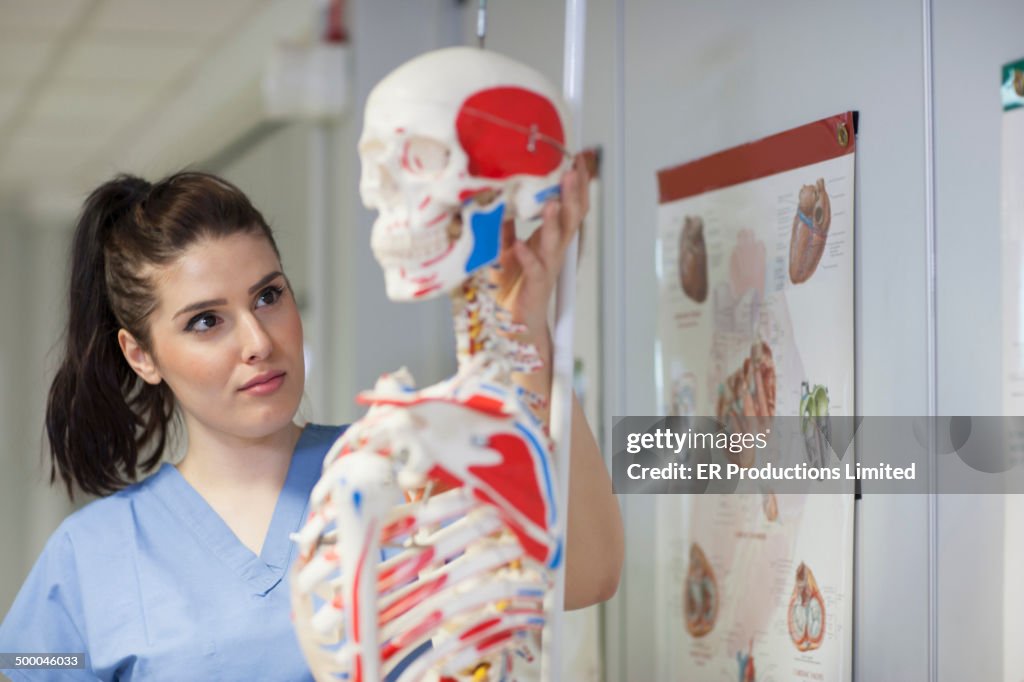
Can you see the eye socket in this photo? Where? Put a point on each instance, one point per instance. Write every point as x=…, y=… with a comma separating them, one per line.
x=375, y=183
x=372, y=147
x=424, y=156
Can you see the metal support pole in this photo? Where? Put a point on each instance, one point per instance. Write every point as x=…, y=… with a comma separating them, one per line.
x=319, y=263
x=562, y=374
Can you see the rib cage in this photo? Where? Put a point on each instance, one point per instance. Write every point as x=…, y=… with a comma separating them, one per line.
x=470, y=568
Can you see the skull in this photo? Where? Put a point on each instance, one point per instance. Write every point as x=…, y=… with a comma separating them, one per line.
x=455, y=142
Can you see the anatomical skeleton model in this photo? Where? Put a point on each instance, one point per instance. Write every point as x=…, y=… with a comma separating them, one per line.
x=456, y=478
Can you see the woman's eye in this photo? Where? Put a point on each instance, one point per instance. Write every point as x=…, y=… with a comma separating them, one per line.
x=203, y=322
x=269, y=296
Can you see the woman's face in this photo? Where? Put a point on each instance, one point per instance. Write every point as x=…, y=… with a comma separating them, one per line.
x=226, y=337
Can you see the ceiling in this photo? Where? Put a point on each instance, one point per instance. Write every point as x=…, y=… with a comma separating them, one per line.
x=92, y=87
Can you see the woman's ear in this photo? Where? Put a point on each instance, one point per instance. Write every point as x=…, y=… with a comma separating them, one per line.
x=138, y=358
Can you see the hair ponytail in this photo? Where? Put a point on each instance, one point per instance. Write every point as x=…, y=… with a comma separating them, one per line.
x=93, y=430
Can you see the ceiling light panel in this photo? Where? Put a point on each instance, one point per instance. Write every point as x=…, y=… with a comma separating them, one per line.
x=96, y=62
x=18, y=17
x=22, y=60
x=186, y=17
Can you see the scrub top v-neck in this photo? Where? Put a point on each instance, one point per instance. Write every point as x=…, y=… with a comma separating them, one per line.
x=153, y=585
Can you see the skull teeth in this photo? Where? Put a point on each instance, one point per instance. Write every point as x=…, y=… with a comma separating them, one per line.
x=419, y=246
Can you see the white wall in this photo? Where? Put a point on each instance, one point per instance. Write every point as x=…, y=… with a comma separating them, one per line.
x=33, y=264
x=12, y=409
x=971, y=44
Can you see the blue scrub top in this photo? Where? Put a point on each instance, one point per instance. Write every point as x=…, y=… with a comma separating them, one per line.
x=151, y=584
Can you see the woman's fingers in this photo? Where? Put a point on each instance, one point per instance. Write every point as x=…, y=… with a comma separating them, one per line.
x=550, y=241
x=508, y=263
x=508, y=234
x=538, y=260
x=584, y=179
x=562, y=218
x=532, y=266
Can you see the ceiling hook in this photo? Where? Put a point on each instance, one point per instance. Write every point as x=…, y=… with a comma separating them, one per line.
x=481, y=23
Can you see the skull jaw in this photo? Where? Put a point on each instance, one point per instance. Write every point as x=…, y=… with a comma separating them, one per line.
x=477, y=246
x=414, y=280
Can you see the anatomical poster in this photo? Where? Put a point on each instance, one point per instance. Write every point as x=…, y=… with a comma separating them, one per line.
x=755, y=587
x=1013, y=237
x=755, y=266
x=1013, y=352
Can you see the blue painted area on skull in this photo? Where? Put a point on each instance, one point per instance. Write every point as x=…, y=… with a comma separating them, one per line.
x=486, y=228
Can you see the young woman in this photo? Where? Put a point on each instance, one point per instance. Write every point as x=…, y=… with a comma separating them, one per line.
x=179, y=306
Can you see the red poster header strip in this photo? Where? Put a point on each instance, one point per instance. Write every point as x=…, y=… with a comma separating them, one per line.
x=803, y=146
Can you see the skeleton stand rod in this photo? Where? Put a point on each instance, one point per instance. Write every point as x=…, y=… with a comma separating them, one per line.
x=481, y=23
x=562, y=374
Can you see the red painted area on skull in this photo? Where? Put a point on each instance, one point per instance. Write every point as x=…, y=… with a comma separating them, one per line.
x=515, y=478
x=494, y=127
x=440, y=217
x=426, y=290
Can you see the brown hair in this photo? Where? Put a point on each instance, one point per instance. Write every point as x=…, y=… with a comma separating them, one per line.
x=100, y=415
